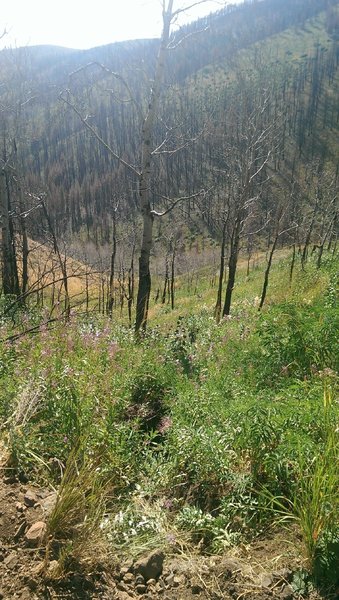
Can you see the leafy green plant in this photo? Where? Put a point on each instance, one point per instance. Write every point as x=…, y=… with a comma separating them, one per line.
x=215, y=432
x=190, y=333
x=296, y=341
x=201, y=460
x=316, y=502
x=140, y=524
x=210, y=531
x=243, y=507
x=263, y=437
x=301, y=582
x=150, y=392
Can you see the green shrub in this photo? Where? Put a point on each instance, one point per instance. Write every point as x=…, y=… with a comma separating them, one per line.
x=150, y=393
x=326, y=559
x=296, y=341
x=210, y=532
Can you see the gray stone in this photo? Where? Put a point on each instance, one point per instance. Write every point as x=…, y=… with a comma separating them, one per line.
x=48, y=503
x=169, y=579
x=267, y=580
x=122, y=586
x=122, y=596
x=30, y=498
x=140, y=588
x=151, y=566
x=129, y=578
x=52, y=569
x=11, y=560
x=26, y=594
x=36, y=534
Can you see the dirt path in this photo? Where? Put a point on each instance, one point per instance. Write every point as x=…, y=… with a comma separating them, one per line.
x=261, y=571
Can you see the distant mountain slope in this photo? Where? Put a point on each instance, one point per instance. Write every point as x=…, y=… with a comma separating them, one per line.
x=288, y=48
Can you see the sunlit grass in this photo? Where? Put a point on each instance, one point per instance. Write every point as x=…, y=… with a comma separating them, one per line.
x=189, y=424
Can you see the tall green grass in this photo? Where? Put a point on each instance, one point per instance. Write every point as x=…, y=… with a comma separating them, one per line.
x=192, y=423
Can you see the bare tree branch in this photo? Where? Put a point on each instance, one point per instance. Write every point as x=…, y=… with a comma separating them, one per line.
x=261, y=167
x=117, y=76
x=97, y=136
x=260, y=228
x=34, y=290
x=174, y=203
x=173, y=45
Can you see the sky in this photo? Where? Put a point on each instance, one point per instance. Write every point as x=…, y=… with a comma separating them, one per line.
x=86, y=24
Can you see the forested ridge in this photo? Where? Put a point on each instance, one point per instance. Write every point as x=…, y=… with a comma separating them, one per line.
x=284, y=54
x=240, y=114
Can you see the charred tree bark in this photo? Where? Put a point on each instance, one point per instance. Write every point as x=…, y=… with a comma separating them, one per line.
x=267, y=272
x=217, y=310
x=25, y=248
x=130, y=300
x=10, y=278
x=292, y=263
x=144, y=288
x=173, y=276
x=110, y=300
x=323, y=241
x=163, y=297
x=308, y=237
x=232, y=266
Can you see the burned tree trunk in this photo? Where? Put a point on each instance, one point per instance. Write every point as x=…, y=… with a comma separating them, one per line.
x=232, y=266
x=217, y=310
x=10, y=278
x=110, y=300
x=144, y=288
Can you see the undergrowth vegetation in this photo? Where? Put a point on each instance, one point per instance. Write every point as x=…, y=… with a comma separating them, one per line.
x=199, y=432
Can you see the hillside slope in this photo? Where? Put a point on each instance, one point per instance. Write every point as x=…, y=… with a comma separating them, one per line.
x=200, y=461
x=55, y=153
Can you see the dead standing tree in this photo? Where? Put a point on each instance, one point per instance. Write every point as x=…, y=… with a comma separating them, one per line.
x=15, y=93
x=248, y=144
x=110, y=295
x=9, y=270
x=147, y=153
x=279, y=231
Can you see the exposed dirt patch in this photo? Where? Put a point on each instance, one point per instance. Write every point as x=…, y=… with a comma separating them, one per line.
x=260, y=571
